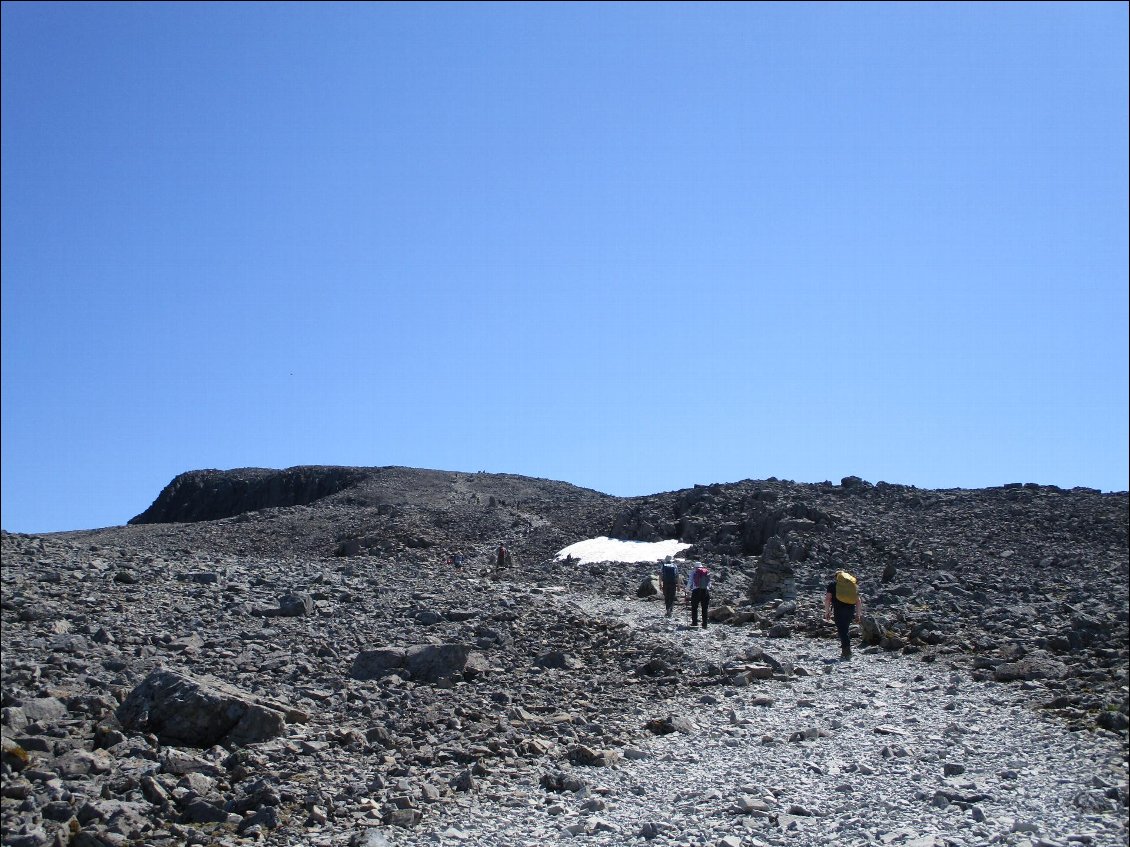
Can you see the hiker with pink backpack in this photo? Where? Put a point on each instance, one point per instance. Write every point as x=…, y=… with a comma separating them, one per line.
x=698, y=584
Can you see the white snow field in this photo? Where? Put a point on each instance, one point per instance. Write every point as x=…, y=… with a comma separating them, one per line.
x=605, y=549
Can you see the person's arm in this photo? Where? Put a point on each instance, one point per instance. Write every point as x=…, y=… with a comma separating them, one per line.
x=827, y=605
x=859, y=609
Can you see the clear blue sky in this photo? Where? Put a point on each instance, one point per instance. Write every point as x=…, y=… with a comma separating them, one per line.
x=634, y=247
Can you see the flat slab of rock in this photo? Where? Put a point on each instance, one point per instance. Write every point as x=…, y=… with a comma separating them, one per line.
x=424, y=662
x=1030, y=667
x=198, y=712
x=372, y=664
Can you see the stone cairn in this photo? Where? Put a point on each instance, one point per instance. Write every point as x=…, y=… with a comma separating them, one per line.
x=774, y=577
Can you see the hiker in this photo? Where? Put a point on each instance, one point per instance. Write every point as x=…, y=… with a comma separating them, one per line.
x=502, y=561
x=458, y=561
x=843, y=602
x=669, y=581
x=699, y=587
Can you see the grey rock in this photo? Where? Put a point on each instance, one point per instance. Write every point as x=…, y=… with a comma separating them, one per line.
x=464, y=781
x=1030, y=667
x=433, y=662
x=669, y=724
x=200, y=810
x=372, y=664
x=1114, y=721
x=180, y=709
x=80, y=763
x=43, y=710
x=581, y=754
x=721, y=614
x=266, y=817
x=558, y=659
x=296, y=605
x=31, y=837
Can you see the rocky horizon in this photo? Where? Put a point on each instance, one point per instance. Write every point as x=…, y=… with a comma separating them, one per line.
x=288, y=656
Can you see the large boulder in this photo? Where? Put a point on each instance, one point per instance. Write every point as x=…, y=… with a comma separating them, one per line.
x=873, y=629
x=433, y=662
x=296, y=605
x=43, y=710
x=423, y=662
x=1030, y=667
x=199, y=712
x=722, y=613
x=373, y=664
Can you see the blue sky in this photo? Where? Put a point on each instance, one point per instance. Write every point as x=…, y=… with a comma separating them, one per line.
x=634, y=247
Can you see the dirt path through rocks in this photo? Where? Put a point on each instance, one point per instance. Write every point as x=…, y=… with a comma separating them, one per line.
x=884, y=749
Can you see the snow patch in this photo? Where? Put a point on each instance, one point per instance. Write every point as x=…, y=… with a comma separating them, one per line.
x=605, y=549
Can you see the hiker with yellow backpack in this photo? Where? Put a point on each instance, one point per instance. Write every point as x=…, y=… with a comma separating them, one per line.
x=843, y=602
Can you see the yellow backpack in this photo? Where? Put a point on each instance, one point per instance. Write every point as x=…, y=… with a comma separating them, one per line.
x=847, y=588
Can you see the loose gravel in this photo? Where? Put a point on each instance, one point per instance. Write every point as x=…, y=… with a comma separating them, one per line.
x=882, y=749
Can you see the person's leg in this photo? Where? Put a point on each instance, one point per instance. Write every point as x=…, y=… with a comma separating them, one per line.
x=696, y=596
x=844, y=616
x=705, y=607
x=699, y=601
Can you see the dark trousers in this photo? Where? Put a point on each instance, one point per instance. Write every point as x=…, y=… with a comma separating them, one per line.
x=843, y=614
x=669, y=595
x=699, y=597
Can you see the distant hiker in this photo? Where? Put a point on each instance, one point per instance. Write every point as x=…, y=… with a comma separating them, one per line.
x=699, y=587
x=502, y=561
x=669, y=581
x=842, y=601
x=457, y=561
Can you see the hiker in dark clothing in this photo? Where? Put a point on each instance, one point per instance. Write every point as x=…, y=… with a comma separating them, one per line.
x=699, y=587
x=669, y=581
x=503, y=561
x=844, y=612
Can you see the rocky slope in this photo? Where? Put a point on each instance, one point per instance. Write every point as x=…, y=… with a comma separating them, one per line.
x=294, y=661
x=388, y=511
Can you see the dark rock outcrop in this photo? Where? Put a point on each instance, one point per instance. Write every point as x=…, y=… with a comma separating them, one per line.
x=209, y=495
